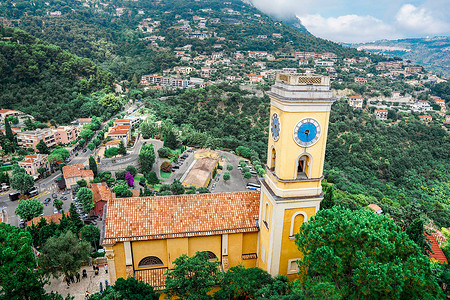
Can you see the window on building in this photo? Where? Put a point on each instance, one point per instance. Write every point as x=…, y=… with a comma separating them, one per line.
x=303, y=166
x=293, y=266
x=211, y=255
x=150, y=261
x=273, y=159
x=296, y=221
x=266, y=215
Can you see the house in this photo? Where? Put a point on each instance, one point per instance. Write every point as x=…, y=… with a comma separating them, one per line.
x=437, y=253
x=395, y=94
x=447, y=119
x=56, y=218
x=423, y=105
x=324, y=63
x=101, y=195
x=82, y=121
x=183, y=70
x=112, y=143
x=29, y=139
x=381, y=114
x=355, y=101
x=66, y=134
x=200, y=174
x=208, y=70
x=128, y=121
x=120, y=132
x=304, y=55
x=360, y=80
x=441, y=103
x=73, y=173
x=5, y=113
x=425, y=118
x=375, y=208
x=413, y=69
x=254, y=78
x=257, y=54
x=31, y=164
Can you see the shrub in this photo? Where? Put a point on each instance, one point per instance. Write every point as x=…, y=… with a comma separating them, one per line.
x=166, y=167
x=247, y=175
x=226, y=176
x=164, y=152
x=229, y=167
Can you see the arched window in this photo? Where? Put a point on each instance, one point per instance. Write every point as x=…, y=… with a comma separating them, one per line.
x=266, y=215
x=150, y=261
x=272, y=160
x=297, y=221
x=211, y=255
x=303, y=166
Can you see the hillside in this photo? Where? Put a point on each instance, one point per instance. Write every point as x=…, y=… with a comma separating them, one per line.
x=45, y=81
x=433, y=53
x=129, y=37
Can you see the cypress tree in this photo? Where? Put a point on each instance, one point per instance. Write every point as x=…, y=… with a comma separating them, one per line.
x=93, y=165
x=8, y=132
x=328, y=201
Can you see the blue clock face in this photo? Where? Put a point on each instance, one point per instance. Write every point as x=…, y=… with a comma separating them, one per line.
x=275, y=127
x=307, y=132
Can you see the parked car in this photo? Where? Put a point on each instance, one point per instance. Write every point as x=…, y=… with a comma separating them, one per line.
x=63, y=198
x=84, y=150
x=55, y=211
x=65, y=192
x=54, y=195
x=47, y=201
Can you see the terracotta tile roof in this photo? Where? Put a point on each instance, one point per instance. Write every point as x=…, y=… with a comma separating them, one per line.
x=200, y=172
x=84, y=120
x=113, y=142
x=438, y=253
x=76, y=170
x=122, y=121
x=120, y=127
x=55, y=218
x=4, y=110
x=100, y=192
x=150, y=218
x=114, y=132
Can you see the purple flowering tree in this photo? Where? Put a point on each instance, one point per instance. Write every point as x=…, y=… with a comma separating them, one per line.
x=129, y=179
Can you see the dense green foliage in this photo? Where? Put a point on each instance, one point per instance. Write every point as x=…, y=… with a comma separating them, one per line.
x=45, y=81
x=394, y=164
x=30, y=208
x=386, y=264
x=127, y=289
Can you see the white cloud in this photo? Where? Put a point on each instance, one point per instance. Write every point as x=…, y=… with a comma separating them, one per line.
x=420, y=20
x=348, y=28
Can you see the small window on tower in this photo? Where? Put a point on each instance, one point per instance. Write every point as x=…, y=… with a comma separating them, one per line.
x=303, y=167
x=273, y=159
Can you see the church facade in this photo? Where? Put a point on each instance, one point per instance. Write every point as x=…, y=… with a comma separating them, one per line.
x=143, y=236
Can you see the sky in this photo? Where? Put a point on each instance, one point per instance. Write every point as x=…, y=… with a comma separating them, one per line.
x=353, y=21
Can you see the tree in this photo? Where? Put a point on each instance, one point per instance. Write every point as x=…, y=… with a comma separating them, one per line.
x=19, y=277
x=91, y=234
x=28, y=209
x=242, y=283
x=146, y=158
x=148, y=129
x=166, y=166
x=328, y=201
x=229, y=167
x=171, y=140
x=122, y=191
x=163, y=152
x=203, y=190
x=59, y=154
x=247, y=175
x=82, y=183
x=93, y=165
x=42, y=147
x=85, y=197
x=63, y=254
x=42, y=171
x=130, y=289
x=22, y=182
x=112, y=151
x=226, y=176
x=122, y=149
x=415, y=231
x=110, y=102
x=129, y=179
x=192, y=277
x=152, y=178
x=91, y=146
x=385, y=264
x=74, y=219
x=177, y=188
x=58, y=204
x=131, y=169
x=9, y=134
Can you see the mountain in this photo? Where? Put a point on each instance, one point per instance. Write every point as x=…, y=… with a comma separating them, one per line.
x=433, y=53
x=120, y=35
x=46, y=81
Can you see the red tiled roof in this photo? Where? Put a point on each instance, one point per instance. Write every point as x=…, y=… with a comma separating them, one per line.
x=438, y=253
x=76, y=171
x=4, y=110
x=55, y=218
x=355, y=97
x=127, y=127
x=100, y=192
x=113, y=142
x=115, y=132
x=122, y=121
x=150, y=218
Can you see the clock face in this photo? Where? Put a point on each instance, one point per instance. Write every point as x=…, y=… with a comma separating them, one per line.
x=307, y=132
x=275, y=128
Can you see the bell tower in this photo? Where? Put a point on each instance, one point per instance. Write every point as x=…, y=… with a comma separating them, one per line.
x=291, y=190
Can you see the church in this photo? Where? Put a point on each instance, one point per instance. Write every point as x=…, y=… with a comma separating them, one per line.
x=144, y=235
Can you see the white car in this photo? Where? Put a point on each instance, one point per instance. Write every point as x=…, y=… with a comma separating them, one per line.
x=55, y=211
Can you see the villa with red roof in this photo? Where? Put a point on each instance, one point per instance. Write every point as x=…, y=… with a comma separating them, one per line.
x=31, y=164
x=73, y=173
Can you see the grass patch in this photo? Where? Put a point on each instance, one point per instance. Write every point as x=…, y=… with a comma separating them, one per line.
x=164, y=174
